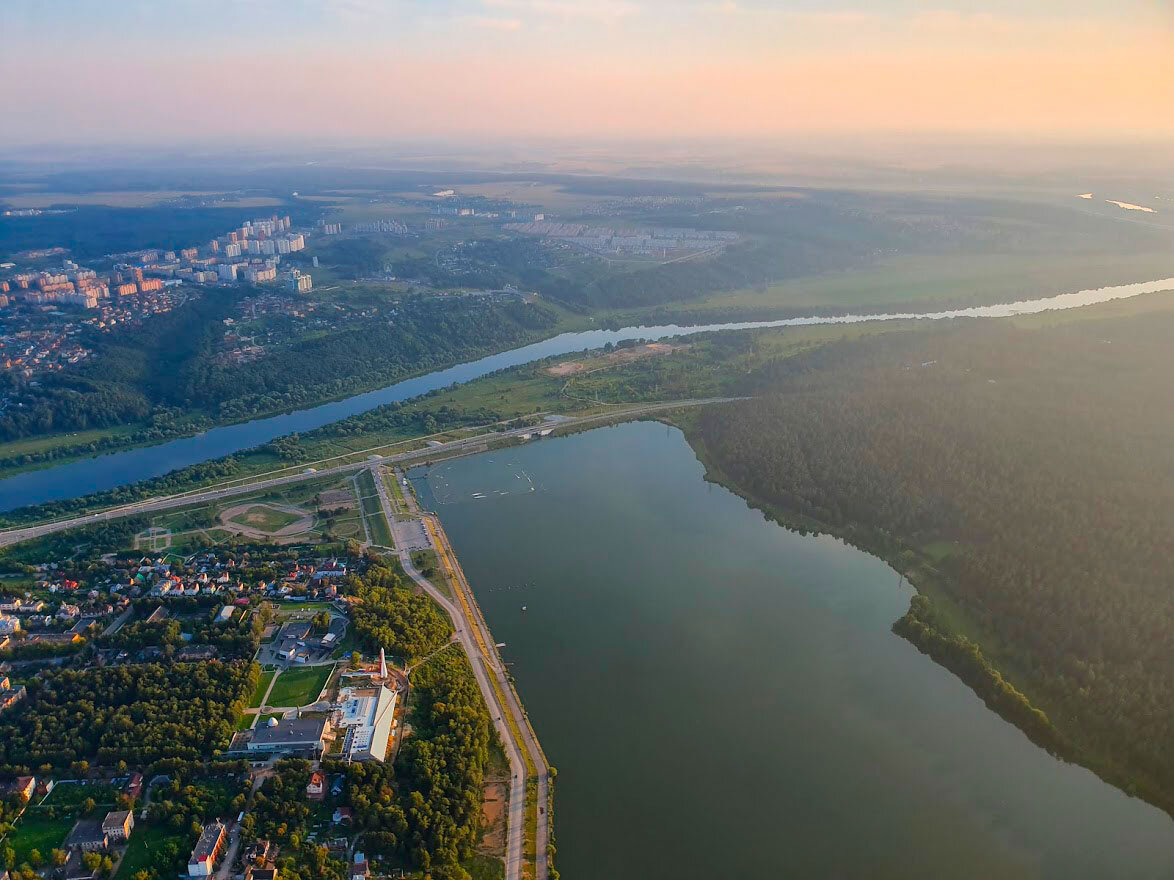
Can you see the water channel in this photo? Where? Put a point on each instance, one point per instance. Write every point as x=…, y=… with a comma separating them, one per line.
x=108, y=471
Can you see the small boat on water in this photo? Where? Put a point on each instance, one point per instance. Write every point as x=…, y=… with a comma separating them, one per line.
x=523, y=607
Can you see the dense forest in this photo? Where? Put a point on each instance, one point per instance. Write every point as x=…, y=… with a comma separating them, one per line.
x=390, y=616
x=95, y=230
x=168, y=380
x=282, y=815
x=428, y=807
x=1024, y=480
x=138, y=714
x=442, y=766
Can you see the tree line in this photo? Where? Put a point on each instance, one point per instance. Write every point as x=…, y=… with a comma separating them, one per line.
x=138, y=714
x=1029, y=474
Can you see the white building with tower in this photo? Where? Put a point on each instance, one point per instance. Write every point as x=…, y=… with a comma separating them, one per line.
x=367, y=715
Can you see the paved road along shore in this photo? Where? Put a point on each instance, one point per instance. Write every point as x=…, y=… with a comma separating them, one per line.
x=445, y=450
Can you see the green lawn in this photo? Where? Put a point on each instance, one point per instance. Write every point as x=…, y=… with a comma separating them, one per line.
x=69, y=794
x=36, y=831
x=299, y=686
x=153, y=846
x=262, y=686
x=485, y=868
x=373, y=511
x=265, y=518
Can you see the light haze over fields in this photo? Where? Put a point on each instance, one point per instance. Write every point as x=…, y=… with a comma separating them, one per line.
x=146, y=72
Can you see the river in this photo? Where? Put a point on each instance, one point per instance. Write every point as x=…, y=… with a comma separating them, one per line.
x=108, y=471
x=724, y=698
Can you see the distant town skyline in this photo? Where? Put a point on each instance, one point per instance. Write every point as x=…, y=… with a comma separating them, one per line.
x=82, y=69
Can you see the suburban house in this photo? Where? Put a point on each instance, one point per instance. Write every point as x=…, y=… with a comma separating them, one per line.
x=316, y=790
x=23, y=786
x=9, y=695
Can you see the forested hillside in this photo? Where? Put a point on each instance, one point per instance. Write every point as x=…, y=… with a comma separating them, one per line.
x=171, y=373
x=1024, y=479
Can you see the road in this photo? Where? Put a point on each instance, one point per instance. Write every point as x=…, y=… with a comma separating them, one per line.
x=483, y=667
x=229, y=859
x=444, y=450
x=493, y=661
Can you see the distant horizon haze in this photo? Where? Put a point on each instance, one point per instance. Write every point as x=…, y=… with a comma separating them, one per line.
x=77, y=71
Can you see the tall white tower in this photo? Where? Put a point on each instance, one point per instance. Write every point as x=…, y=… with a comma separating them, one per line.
x=382, y=665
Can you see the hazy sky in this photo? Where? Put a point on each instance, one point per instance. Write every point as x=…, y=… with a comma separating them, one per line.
x=120, y=70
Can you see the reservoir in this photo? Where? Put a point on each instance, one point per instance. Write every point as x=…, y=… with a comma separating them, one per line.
x=108, y=471
x=724, y=698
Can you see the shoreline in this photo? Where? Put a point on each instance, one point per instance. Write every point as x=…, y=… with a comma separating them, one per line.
x=604, y=324
x=982, y=677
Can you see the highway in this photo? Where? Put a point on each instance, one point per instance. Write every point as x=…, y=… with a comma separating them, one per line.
x=465, y=629
x=451, y=449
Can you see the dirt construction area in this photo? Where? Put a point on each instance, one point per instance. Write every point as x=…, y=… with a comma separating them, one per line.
x=255, y=520
x=612, y=359
x=493, y=818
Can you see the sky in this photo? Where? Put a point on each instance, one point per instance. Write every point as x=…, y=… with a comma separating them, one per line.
x=115, y=71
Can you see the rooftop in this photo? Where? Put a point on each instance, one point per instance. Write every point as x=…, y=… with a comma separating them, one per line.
x=209, y=840
x=293, y=730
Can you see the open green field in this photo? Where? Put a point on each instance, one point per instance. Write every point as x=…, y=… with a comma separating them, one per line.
x=151, y=846
x=70, y=794
x=262, y=687
x=36, y=830
x=485, y=868
x=924, y=281
x=373, y=510
x=300, y=686
x=265, y=518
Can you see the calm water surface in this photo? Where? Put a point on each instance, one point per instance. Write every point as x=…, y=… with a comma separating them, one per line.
x=724, y=698
x=121, y=468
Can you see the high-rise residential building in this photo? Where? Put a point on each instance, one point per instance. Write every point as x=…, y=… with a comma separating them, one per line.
x=300, y=282
x=260, y=275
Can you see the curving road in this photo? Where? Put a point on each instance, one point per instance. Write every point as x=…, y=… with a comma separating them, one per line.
x=469, y=632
